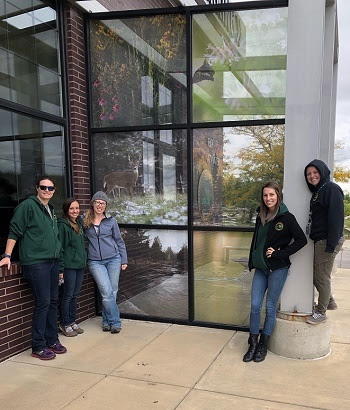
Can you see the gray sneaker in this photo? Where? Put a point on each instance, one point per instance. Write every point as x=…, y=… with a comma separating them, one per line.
x=332, y=305
x=77, y=328
x=67, y=330
x=316, y=318
x=115, y=329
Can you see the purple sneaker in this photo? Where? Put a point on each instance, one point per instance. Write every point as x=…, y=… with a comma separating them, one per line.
x=57, y=348
x=44, y=354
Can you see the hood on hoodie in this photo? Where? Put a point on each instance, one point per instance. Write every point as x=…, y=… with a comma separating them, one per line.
x=322, y=169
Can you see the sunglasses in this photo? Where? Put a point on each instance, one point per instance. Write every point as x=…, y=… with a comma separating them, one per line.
x=49, y=188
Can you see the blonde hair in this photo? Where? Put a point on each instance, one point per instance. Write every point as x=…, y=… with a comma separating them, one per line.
x=89, y=216
x=264, y=210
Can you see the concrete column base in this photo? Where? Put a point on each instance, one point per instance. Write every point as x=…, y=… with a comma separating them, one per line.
x=296, y=339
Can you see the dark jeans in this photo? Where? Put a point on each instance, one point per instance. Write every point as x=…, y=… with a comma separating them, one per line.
x=43, y=280
x=73, y=279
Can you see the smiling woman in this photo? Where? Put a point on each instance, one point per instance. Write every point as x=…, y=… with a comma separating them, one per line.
x=277, y=235
x=34, y=226
x=106, y=257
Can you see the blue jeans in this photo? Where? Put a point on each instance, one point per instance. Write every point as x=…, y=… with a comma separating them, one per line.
x=106, y=274
x=43, y=280
x=73, y=279
x=273, y=283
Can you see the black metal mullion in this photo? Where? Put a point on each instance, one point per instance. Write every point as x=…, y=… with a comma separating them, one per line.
x=190, y=246
x=31, y=112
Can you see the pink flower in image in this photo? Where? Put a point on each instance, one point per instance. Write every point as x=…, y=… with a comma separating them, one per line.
x=115, y=107
x=112, y=116
x=97, y=83
x=103, y=116
x=114, y=99
x=102, y=102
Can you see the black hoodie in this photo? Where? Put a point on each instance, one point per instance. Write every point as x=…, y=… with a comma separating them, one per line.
x=327, y=207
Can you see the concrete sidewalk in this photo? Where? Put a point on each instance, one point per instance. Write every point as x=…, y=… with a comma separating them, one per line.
x=162, y=366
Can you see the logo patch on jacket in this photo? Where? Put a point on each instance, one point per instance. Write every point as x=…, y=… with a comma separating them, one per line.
x=279, y=226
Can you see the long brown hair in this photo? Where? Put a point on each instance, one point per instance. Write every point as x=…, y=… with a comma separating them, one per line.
x=264, y=210
x=65, y=208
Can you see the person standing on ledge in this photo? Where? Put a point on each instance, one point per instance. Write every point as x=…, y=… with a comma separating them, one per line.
x=277, y=235
x=325, y=227
x=34, y=225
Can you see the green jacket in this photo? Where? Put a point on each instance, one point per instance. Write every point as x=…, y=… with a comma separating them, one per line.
x=73, y=253
x=35, y=231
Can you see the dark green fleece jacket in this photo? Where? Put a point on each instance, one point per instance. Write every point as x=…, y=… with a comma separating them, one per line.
x=35, y=231
x=73, y=254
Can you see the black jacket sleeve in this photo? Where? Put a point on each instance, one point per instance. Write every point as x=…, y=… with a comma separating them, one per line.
x=335, y=220
x=299, y=240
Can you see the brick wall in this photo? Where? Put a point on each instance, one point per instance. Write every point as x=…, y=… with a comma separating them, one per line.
x=78, y=130
x=16, y=308
x=78, y=105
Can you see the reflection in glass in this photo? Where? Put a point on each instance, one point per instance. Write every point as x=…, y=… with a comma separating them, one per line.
x=156, y=281
x=144, y=176
x=222, y=281
x=29, y=148
x=230, y=166
x=138, y=71
x=239, y=64
x=29, y=56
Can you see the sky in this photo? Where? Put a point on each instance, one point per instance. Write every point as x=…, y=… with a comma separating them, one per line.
x=342, y=126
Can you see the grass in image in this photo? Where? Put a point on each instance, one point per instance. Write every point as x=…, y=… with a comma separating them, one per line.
x=150, y=210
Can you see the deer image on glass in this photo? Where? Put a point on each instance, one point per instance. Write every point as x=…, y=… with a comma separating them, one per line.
x=118, y=181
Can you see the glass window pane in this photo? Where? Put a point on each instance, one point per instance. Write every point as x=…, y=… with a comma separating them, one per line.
x=46, y=46
x=144, y=177
x=239, y=64
x=230, y=166
x=29, y=56
x=29, y=148
x=49, y=91
x=4, y=75
x=21, y=40
x=138, y=71
x=156, y=281
x=23, y=81
x=222, y=281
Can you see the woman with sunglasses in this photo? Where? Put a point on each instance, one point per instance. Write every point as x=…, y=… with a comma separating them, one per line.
x=34, y=226
x=106, y=256
x=73, y=261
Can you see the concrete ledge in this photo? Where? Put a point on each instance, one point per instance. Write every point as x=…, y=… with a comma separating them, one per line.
x=296, y=339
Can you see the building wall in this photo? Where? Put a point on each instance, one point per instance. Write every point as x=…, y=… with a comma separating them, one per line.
x=16, y=301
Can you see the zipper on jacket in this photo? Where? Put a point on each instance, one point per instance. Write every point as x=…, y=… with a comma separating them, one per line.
x=98, y=239
x=53, y=227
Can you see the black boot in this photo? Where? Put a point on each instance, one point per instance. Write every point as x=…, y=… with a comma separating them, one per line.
x=253, y=344
x=261, y=350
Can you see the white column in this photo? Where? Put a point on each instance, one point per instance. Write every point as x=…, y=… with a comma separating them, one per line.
x=329, y=87
x=305, y=54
